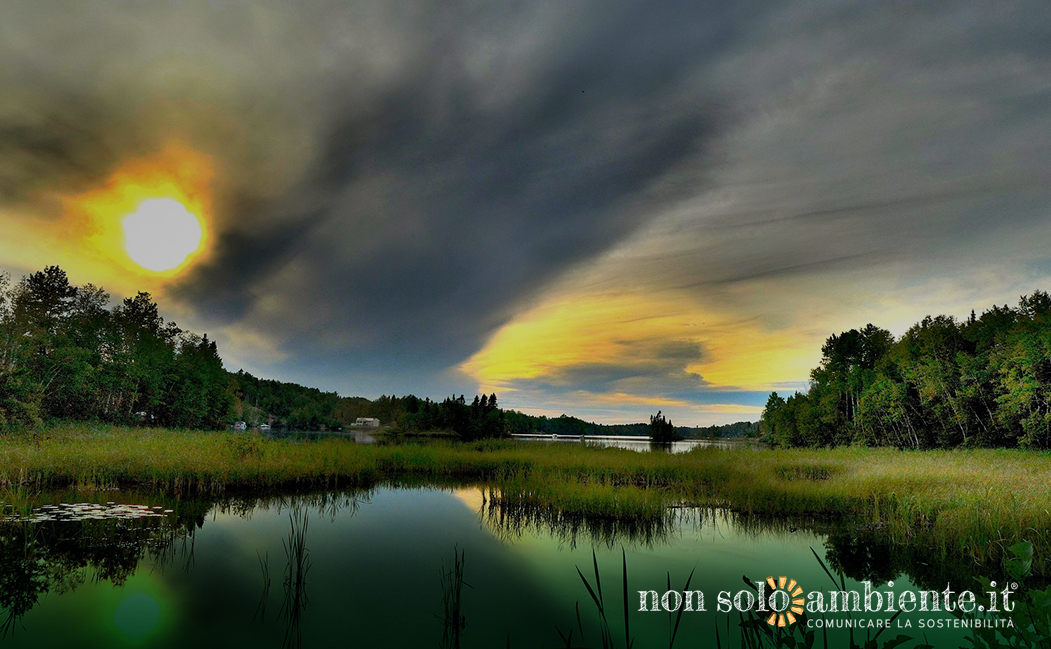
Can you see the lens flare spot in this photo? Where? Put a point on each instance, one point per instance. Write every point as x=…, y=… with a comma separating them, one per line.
x=161, y=234
x=138, y=615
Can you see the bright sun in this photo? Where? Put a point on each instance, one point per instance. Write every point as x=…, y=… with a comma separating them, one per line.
x=161, y=234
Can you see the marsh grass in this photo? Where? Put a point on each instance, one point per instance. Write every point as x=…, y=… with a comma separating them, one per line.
x=298, y=563
x=606, y=633
x=511, y=514
x=974, y=503
x=452, y=618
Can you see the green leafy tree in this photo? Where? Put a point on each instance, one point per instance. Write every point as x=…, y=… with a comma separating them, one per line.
x=984, y=381
x=65, y=354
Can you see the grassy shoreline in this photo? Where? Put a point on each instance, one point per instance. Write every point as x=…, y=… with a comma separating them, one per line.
x=971, y=502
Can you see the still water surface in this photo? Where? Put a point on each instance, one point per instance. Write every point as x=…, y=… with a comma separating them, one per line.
x=635, y=443
x=364, y=569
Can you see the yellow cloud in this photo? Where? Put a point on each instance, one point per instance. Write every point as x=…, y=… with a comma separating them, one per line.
x=568, y=331
x=747, y=356
x=728, y=409
x=617, y=327
x=622, y=398
x=472, y=497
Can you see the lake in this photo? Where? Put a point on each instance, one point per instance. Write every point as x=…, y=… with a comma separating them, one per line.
x=372, y=569
x=633, y=443
x=630, y=442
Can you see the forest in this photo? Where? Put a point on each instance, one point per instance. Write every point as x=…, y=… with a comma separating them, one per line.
x=287, y=405
x=981, y=382
x=65, y=354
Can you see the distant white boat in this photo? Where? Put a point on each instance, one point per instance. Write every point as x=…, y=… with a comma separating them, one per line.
x=264, y=426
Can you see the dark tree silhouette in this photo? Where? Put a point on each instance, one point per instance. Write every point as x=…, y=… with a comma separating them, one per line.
x=661, y=429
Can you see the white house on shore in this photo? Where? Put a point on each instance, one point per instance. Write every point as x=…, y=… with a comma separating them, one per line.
x=366, y=422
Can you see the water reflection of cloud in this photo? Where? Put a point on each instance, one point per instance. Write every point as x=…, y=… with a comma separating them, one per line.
x=472, y=497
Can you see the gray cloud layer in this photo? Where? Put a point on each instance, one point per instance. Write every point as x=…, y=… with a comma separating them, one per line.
x=872, y=135
x=395, y=180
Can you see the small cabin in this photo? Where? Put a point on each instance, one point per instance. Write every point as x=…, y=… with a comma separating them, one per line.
x=366, y=422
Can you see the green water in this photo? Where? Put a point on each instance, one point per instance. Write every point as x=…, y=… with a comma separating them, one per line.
x=364, y=570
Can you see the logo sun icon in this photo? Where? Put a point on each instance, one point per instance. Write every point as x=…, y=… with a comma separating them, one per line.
x=790, y=595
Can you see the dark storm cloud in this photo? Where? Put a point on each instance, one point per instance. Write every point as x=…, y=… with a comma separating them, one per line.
x=656, y=368
x=465, y=216
x=87, y=87
x=756, y=271
x=390, y=179
x=871, y=141
x=394, y=181
x=59, y=145
x=438, y=212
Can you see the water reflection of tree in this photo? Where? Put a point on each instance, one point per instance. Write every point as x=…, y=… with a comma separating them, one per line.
x=327, y=504
x=22, y=577
x=37, y=558
x=866, y=553
x=56, y=556
x=862, y=551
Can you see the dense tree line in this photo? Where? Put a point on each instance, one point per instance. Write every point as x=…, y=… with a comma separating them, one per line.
x=736, y=429
x=287, y=405
x=412, y=413
x=518, y=422
x=521, y=423
x=391, y=409
x=294, y=406
x=983, y=381
x=283, y=404
x=65, y=354
x=481, y=419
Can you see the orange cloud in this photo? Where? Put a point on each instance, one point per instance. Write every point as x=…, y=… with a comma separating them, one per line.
x=624, y=329
x=622, y=398
x=728, y=409
x=88, y=240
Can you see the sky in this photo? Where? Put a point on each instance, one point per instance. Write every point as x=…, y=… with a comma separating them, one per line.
x=594, y=207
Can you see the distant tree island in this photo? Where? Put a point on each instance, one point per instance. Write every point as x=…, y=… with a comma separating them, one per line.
x=662, y=430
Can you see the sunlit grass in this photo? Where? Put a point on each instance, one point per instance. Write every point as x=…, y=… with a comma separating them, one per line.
x=974, y=501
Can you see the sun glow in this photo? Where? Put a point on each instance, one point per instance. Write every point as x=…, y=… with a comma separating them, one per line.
x=161, y=234
x=147, y=223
